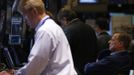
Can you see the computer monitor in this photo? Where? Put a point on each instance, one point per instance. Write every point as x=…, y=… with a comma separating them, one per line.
x=14, y=39
x=88, y=1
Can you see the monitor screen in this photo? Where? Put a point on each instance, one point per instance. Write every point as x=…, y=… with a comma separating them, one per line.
x=88, y=1
x=14, y=39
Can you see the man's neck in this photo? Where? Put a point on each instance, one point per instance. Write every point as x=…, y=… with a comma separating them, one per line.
x=39, y=18
x=119, y=50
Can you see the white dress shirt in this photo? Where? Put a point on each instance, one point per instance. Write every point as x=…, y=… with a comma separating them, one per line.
x=50, y=54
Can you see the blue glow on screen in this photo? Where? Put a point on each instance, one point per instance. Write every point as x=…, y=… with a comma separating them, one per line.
x=88, y=1
x=14, y=39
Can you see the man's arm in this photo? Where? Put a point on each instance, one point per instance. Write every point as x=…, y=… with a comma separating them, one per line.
x=39, y=56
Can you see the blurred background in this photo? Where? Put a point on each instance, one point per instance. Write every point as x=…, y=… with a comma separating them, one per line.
x=16, y=38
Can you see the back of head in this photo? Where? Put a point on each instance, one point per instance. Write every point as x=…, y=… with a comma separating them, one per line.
x=27, y=5
x=67, y=13
x=102, y=23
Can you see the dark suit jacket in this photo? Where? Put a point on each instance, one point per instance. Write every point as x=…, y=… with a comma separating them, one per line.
x=83, y=43
x=110, y=65
x=103, y=39
x=104, y=53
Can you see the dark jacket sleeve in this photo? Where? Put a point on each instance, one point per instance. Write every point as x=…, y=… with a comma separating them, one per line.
x=98, y=68
x=109, y=65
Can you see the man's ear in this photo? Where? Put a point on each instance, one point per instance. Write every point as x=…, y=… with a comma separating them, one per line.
x=34, y=11
x=121, y=43
x=64, y=18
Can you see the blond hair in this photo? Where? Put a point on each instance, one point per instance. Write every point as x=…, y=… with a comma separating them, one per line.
x=27, y=5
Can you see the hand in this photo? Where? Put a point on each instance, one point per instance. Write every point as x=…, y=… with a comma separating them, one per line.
x=5, y=73
x=8, y=72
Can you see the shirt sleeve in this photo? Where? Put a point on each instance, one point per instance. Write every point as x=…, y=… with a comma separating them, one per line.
x=39, y=55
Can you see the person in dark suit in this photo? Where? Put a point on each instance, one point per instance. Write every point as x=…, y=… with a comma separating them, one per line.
x=118, y=62
x=101, y=27
x=81, y=37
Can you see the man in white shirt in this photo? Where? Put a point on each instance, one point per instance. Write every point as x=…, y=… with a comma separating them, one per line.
x=50, y=54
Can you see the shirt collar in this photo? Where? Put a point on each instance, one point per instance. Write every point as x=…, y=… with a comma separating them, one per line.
x=73, y=20
x=117, y=52
x=40, y=23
